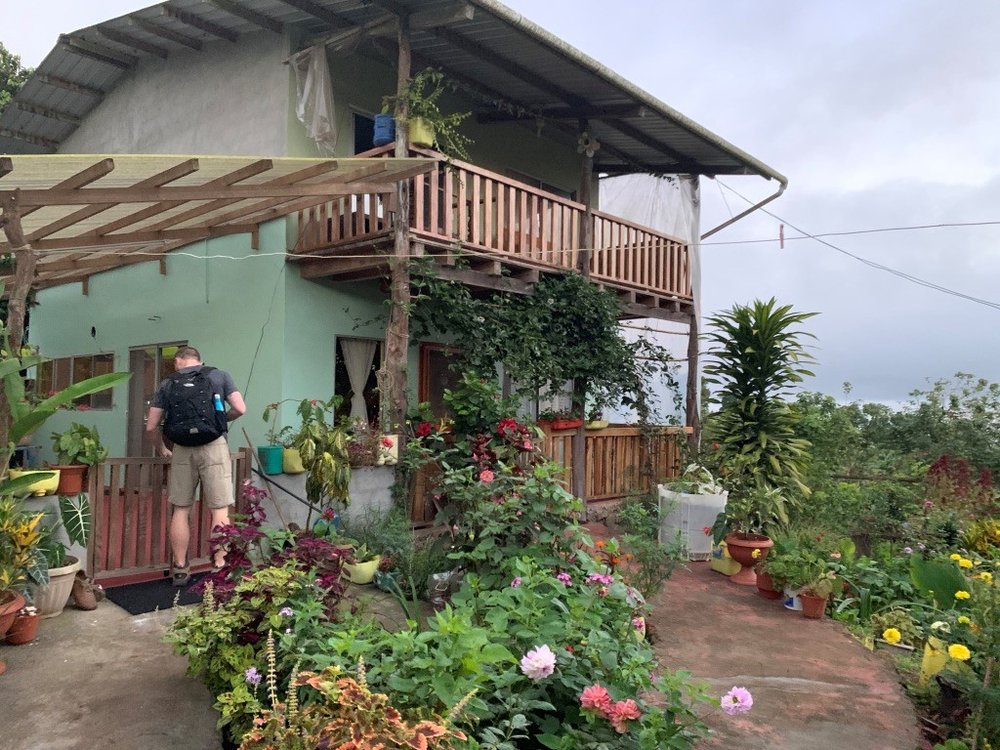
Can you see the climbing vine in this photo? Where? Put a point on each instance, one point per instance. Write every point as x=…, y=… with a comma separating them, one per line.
x=566, y=330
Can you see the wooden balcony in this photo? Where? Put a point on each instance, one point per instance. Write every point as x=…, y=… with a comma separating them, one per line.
x=506, y=232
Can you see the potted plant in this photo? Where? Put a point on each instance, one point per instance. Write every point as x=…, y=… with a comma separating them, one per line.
x=595, y=419
x=362, y=564
x=76, y=448
x=24, y=629
x=427, y=124
x=749, y=513
x=53, y=576
x=323, y=448
x=272, y=455
x=567, y=419
x=20, y=536
x=816, y=592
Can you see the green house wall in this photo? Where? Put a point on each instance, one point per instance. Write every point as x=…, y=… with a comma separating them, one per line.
x=247, y=312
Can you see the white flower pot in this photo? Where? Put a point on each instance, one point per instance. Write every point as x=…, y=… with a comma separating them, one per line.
x=50, y=600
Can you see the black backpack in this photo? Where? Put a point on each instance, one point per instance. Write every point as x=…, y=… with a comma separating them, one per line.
x=191, y=416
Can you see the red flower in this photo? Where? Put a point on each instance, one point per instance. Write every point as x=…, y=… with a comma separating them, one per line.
x=387, y=442
x=595, y=698
x=424, y=429
x=707, y=530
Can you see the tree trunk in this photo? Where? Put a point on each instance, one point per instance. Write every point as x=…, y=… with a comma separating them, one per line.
x=693, y=415
x=25, y=260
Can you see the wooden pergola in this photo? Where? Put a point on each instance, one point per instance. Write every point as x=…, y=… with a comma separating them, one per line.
x=68, y=217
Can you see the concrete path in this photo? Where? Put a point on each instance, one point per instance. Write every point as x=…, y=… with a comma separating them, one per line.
x=814, y=687
x=103, y=679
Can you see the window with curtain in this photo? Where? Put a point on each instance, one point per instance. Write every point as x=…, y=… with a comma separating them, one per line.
x=355, y=378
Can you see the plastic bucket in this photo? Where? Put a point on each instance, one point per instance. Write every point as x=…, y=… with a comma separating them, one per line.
x=792, y=600
x=385, y=130
x=270, y=458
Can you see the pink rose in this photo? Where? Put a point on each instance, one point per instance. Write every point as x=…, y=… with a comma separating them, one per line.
x=486, y=476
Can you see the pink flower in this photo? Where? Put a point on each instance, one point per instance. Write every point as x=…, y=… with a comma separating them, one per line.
x=387, y=442
x=538, y=663
x=707, y=530
x=737, y=701
x=602, y=578
x=639, y=623
x=623, y=712
x=565, y=578
x=928, y=504
x=595, y=698
x=516, y=582
x=487, y=476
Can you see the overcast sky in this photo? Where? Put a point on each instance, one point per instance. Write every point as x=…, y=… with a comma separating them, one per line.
x=881, y=114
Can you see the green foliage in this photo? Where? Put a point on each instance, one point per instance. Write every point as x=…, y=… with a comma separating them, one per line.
x=475, y=405
x=78, y=444
x=755, y=360
x=12, y=75
x=566, y=330
x=421, y=98
x=323, y=448
x=936, y=579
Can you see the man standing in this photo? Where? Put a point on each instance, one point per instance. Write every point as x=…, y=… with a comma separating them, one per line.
x=190, y=406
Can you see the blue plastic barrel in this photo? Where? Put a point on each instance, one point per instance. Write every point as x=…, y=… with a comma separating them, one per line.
x=385, y=129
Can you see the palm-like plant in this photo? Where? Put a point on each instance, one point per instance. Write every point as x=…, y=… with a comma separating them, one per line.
x=756, y=357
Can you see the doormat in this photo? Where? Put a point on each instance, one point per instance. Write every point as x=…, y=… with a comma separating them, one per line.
x=138, y=598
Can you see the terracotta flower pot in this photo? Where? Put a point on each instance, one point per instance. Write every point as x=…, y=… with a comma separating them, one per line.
x=10, y=603
x=71, y=477
x=741, y=548
x=765, y=586
x=813, y=607
x=567, y=424
x=23, y=630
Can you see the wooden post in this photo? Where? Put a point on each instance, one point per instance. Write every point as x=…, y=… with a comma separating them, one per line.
x=397, y=334
x=693, y=417
x=587, y=149
x=25, y=261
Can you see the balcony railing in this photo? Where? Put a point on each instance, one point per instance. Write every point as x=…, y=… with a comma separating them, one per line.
x=497, y=218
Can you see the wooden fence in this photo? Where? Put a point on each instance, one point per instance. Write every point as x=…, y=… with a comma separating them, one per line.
x=616, y=459
x=131, y=518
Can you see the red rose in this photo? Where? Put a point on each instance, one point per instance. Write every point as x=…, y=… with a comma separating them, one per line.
x=424, y=429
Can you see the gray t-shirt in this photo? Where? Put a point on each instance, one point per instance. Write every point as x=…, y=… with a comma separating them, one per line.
x=222, y=383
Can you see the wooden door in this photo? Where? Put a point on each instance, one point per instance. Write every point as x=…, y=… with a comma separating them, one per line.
x=148, y=365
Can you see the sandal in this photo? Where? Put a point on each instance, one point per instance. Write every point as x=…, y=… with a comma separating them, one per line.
x=180, y=575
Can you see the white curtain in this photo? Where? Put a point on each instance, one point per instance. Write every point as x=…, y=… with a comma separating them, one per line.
x=314, y=105
x=358, y=357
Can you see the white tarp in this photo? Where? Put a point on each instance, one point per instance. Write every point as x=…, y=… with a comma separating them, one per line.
x=314, y=103
x=670, y=204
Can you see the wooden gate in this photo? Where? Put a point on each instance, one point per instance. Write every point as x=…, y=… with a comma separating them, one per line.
x=131, y=517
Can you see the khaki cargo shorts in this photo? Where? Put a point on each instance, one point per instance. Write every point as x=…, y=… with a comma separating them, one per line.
x=209, y=464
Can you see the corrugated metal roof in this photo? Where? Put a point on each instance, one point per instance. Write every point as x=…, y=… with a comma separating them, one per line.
x=512, y=67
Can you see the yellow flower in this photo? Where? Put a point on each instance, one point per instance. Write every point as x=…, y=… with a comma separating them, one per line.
x=961, y=594
x=954, y=556
x=986, y=577
x=965, y=563
x=963, y=620
x=891, y=635
x=959, y=652
x=755, y=554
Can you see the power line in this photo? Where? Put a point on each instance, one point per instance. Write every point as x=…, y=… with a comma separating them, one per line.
x=879, y=266
x=878, y=230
